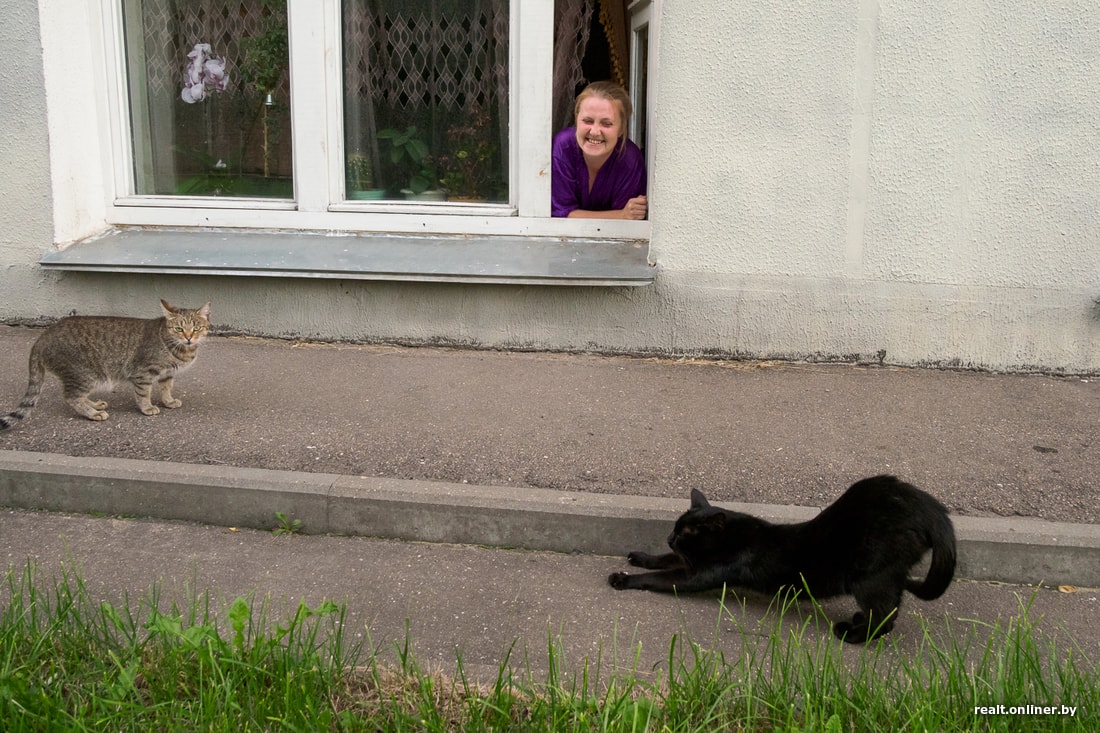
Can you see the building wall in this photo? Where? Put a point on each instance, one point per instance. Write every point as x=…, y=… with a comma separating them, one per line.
x=887, y=176
x=877, y=180
x=25, y=202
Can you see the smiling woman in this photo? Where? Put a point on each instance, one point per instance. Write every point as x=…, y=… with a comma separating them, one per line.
x=597, y=171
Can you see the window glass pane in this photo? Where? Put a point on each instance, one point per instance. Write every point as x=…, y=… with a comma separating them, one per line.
x=640, y=87
x=426, y=99
x=209, y=97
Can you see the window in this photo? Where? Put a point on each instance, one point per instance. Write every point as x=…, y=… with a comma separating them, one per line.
x=309, y=115
x=426, y=100
x=209, y=98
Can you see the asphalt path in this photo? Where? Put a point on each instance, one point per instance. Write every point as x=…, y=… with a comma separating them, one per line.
x=773, y=433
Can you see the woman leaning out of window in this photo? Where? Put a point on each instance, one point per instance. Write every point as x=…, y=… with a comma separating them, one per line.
x=597, y=172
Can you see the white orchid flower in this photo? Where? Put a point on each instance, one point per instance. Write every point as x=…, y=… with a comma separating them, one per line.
x=204, y=72
x=215, y=74
x=194, y=93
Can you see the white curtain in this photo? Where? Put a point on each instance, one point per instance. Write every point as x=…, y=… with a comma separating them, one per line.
x=422, y=62
x=572, y=28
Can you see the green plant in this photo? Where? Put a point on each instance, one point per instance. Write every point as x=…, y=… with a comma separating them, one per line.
x=470, y=165
x=265, y=60
x=360, y=172
x=70, y=663
x=266, y=56
x=411, y=155
x=286, y=524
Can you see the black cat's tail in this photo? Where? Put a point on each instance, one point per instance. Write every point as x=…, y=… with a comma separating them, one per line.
x=30, y=397
x=942, y=569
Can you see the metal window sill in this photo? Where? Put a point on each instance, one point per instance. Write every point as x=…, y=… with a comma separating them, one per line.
x=360, y=256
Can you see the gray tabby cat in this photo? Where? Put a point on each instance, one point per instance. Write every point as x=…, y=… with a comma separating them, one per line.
x=89, y=352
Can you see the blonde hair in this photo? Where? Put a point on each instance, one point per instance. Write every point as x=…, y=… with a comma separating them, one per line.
x=613, y=93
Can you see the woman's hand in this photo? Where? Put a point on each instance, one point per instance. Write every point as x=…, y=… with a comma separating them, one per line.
x=635, y=208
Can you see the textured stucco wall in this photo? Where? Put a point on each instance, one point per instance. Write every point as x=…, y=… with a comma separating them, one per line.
x=862, y=179
x=886, y=176
x=25, y=225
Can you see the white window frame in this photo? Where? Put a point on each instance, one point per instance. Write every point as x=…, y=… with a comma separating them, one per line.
x=644, y=16
x=92, y=158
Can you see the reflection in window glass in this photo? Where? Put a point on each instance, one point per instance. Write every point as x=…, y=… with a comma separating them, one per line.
x=209, y=97
x=640, y=87
x=426, y=99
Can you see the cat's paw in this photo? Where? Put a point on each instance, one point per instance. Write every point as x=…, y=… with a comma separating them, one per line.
x=150, y=410
x=98, y=416
x=172, y=404
x=863, y=628
x=859, y=630
x=637, y=559
x=849, y=632
x=99, y=405
x=619, y=581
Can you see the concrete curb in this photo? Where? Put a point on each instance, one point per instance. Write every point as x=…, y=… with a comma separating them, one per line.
x=1013, y=550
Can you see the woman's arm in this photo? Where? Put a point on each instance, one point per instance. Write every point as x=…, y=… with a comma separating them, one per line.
x=635, y=209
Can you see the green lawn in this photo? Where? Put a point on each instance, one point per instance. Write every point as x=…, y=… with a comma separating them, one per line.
x=68, y=663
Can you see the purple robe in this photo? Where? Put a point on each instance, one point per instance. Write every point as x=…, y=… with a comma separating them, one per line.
x=621, y=178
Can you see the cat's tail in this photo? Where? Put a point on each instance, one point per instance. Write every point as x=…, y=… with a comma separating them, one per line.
x=30, y=397
x=942, y=569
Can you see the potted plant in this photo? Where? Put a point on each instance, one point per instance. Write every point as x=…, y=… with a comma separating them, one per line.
x=469, y=167
x=265, y=61
x=411, y=155
x=360, y=178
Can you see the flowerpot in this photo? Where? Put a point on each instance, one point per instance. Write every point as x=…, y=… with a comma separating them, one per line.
x=370, y=194
x=429, y=195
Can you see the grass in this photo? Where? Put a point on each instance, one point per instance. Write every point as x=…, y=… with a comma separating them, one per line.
x=69, y=663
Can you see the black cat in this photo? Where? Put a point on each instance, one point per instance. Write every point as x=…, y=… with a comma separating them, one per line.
x=863, y=544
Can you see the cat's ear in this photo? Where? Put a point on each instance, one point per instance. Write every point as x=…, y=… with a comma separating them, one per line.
x=204, y=310
x=168, y=307
x=698, y=501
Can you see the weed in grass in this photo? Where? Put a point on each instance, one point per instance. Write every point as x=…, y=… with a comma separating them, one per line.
x=286, y=525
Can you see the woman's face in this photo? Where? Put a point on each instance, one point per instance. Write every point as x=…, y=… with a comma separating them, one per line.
x=598, y=128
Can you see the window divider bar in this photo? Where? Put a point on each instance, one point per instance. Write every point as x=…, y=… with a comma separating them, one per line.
x=310, y=81
x=532, y=105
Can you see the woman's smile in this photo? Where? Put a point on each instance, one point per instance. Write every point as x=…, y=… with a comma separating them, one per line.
x=598, y=128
